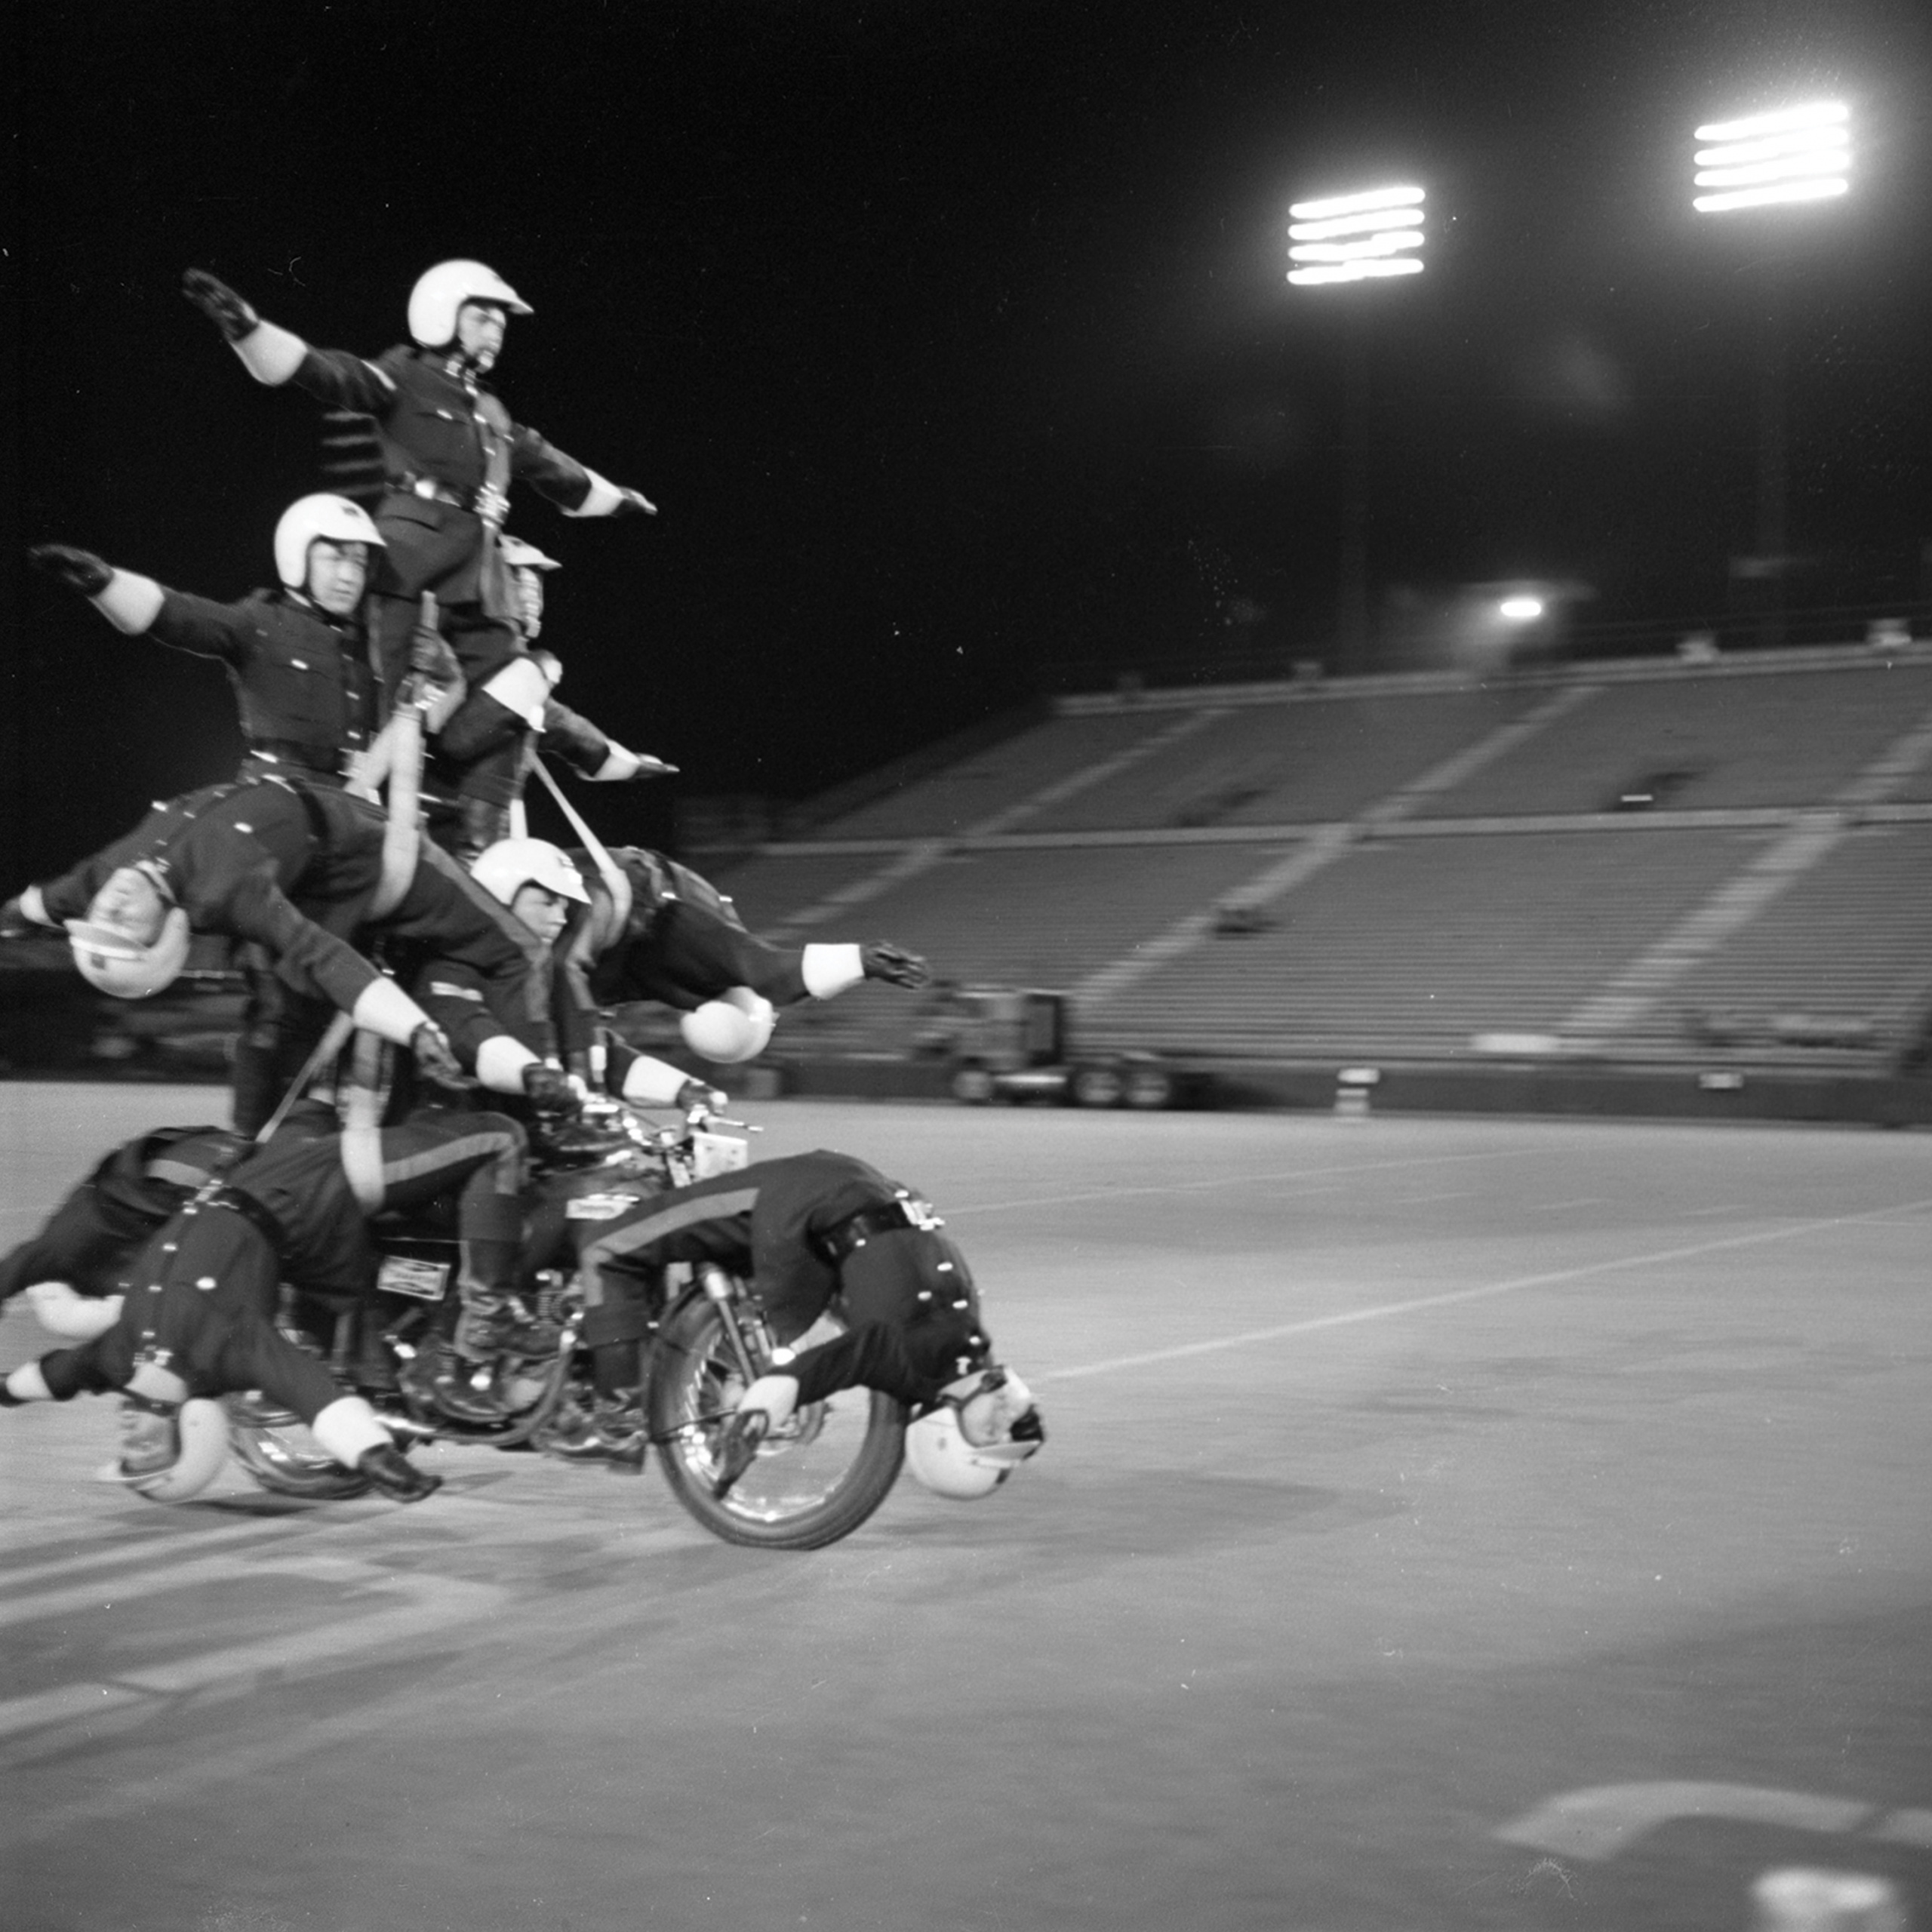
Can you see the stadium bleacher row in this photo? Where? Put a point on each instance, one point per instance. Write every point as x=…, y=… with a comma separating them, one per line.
x=1653, y=862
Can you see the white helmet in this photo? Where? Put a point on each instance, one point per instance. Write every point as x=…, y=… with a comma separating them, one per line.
x=521, y=555
x=309, y=518
x=200, y=1430
x=110, y=960
x=440, y=291
x=985, y=1425
x=503, y=869
x=735, y=1026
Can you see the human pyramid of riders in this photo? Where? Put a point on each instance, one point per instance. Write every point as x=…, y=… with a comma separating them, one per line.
x=426, y=988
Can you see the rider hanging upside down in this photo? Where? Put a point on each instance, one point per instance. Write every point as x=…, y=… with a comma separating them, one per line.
x=802, y=1230
x=300, y=872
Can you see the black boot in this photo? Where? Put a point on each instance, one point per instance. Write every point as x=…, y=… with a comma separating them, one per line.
x=613, y=1433
x=395, y=1475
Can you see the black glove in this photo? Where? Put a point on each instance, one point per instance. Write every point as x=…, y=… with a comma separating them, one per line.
x=699, y=1093
x=634, y=503
x=434, y=1060
x=893, y=964
x=220, y=304
x=430, y=655
x=79, y=570
x=550, y=1091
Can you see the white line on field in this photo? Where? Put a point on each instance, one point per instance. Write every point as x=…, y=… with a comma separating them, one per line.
x=1383, y=1311
x=1234, y=1180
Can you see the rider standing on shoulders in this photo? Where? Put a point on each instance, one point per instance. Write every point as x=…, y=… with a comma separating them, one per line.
x=450, y=452
x=491, y=743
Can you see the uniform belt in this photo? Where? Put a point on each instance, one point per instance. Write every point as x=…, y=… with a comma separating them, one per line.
x=888, y=1217
x=252, y=1211
x=486, y=501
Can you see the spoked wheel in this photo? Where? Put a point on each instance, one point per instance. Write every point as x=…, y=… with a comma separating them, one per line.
x=815, y=1479
x=274, y=1446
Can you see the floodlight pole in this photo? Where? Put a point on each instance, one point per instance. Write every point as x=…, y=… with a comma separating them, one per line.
x=1788, y=155
x=1372, y=235
x=1352, y=599
x=1773, y=471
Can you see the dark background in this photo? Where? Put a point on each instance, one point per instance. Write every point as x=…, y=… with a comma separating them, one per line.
x=953, y=340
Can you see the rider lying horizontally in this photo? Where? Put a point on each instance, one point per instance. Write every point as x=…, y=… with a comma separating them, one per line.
x=196, y=1318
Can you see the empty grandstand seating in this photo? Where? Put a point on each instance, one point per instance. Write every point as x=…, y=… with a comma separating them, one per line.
x=1649, y=862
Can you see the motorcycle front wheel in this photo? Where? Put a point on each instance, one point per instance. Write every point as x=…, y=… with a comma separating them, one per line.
x=274, y=1445
x=816, y=1478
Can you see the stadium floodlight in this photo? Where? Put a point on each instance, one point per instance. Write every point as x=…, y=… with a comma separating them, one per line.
x=1793, y=154
x=1374, y=233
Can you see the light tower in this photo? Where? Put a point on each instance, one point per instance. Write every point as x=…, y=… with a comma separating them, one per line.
x=1788, y=156
x=1371, y=234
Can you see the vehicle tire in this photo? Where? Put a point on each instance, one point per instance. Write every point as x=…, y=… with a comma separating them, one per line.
x=1100, y=1084
x=974, y=1085
x=274, y=1446
x=1150, y=1087
x=816, y=1478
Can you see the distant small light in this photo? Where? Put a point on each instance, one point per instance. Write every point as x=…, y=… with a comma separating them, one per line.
x=1521, y=610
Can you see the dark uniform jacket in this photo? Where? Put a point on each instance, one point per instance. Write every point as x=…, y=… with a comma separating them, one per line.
x=456, y=997
x=89, y=1239
x=766, y=1221
x=786, y=1224
x=295, y=870
x=451, y=451
x=307, y=693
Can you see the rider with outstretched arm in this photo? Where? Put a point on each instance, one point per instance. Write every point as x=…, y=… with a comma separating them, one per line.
x=493, y=740
x=309, y=699
x=298, y=870
x=665, y=934
x=451, y=453
x=538, y=885
x=660, y=931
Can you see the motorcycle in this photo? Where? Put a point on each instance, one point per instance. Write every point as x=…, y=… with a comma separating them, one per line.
x=816, y=1477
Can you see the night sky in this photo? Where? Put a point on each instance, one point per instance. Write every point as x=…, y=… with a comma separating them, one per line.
x=951, y=340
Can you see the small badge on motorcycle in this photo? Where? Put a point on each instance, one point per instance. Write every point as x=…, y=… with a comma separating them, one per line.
x=599, y=1207
x=422, y=1280
x=920, y=1213
x=717, y=1154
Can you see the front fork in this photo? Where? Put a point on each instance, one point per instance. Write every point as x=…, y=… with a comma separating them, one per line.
x=750, y=1349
